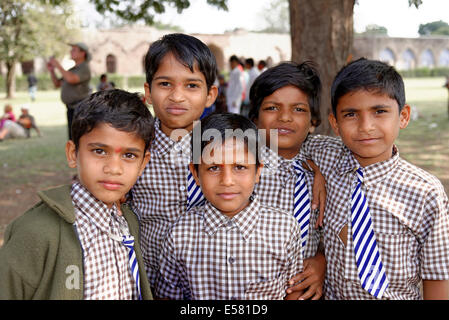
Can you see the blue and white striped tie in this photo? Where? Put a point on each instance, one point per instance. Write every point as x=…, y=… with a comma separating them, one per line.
x=195, y=196
x=301, y=209
x=370, y=268
x=128, y=242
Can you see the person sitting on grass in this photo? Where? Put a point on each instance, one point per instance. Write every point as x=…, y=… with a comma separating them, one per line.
x=76, y=243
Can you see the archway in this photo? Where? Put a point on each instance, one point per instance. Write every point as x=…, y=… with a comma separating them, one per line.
x=408, y=60
x=219, y=56
x=387, y=56
x=111, y=63
x=427, y=59
x=443, y=61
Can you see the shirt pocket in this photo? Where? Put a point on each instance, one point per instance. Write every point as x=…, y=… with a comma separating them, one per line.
x=273, y=289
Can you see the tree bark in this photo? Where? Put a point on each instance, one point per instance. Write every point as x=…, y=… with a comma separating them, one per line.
x=322, y=31
x=10, y=79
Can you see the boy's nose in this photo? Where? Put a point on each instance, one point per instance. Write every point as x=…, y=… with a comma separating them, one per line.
x=227, y=178
x=366, y=123
x=285, y=116
x=114, y=166
x=177, y=93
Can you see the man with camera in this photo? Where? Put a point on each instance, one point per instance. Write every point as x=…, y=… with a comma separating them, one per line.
x=74, y=82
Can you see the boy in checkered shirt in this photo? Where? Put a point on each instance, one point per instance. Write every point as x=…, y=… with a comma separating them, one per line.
x=285, y=102
x=408, y=206
x=76, y=243
x=180, y=74
x=233, y=247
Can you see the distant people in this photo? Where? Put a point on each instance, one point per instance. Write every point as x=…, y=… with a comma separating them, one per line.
x=75, y=81
x=252, y=73
x=104, y=83
x=32, y=86
x=235, y=86
x=26, y=120
x=220, y=102
x=9, y=128
x=262, y=66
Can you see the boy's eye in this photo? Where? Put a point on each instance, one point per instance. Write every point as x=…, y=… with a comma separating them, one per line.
x=300, y=109
x=213, y=168
x=381, y=111
x=164, y=83
x=129, y=155
x=99, y=151
x=271, y=108
x=192, y=86
x=240, y=167
x=349, y=114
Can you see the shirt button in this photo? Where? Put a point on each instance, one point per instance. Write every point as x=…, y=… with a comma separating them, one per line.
x=182, y=188
x=233, y=298
x=231, y=260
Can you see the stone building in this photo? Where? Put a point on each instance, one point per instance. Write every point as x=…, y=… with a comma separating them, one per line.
x=122, y=50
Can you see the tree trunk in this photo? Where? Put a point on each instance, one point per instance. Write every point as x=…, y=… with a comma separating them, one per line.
x=322, y=31
x=10, y=79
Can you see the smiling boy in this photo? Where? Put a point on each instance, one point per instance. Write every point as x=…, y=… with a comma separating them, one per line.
x=180, y=73
x=386, y=228
x=76, y=243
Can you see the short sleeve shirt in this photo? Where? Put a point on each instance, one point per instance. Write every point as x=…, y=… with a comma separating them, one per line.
x=276, y=189
x=72, y=93
x=208, y=255
x=409, y=212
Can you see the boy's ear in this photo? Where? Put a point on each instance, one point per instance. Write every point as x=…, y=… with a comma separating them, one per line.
x=70, y=153
x=144, y=163
x=259, y=172
x=211, y=96
x=147, y=89
x=334, y=124
x=194, y=173
x=404, y=116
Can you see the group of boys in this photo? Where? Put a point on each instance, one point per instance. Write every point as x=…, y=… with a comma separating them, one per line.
x=151, y=217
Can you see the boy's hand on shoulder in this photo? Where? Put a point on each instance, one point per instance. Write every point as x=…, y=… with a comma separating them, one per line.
x=318, y=193
x=311, y=280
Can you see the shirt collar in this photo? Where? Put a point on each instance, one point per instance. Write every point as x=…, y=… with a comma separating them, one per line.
x=245, y=220
x=162, y=144
x=96, y=211
x=273, y=161
x=372, y=173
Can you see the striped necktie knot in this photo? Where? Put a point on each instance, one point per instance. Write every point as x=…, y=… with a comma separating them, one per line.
x=301, y=208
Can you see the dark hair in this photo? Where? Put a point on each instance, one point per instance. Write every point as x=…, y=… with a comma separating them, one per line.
x=103, y=76
x=303, y=76
x=123, y=110
x=370, y=75
x=224, y=123
x=187, y=50
x=250, y=61
x=234, y=58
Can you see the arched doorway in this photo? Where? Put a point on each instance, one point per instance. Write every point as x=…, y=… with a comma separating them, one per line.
x=111, y=63
x=219, y=56
x=387, y=56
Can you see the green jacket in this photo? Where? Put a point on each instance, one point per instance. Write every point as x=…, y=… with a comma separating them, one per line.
x=41, y=257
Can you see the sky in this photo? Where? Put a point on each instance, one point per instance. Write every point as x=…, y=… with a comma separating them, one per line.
x=396, y=15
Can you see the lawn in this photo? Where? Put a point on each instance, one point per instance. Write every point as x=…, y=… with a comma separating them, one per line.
x=29, y=165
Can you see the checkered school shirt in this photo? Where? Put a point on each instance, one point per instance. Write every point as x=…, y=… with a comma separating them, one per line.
x=105, y=261
x=276, y=188
x=409, y=211
x=159, y=196
x=210, y=256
